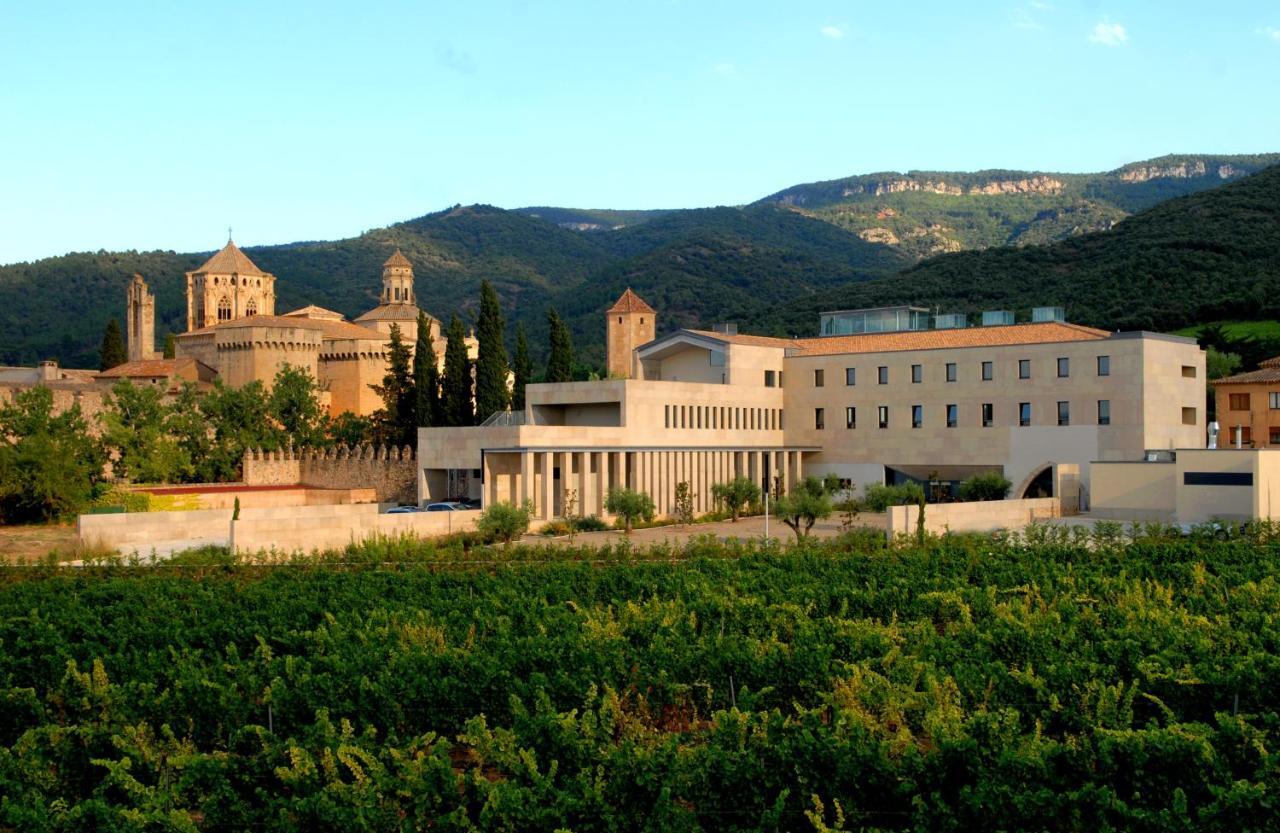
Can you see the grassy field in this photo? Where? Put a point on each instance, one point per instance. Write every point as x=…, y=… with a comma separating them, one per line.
x=1262, y=330
x=36, y=541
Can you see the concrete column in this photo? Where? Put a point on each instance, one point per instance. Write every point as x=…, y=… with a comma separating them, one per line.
x=490, y=494
x=545, y=495
x=784, y=463
x=584, y=497
x=605, y=473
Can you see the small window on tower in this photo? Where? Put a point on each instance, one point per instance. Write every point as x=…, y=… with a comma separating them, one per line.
x=619, y=319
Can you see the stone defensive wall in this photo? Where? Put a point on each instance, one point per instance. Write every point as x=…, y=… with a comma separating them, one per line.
x=390, y=472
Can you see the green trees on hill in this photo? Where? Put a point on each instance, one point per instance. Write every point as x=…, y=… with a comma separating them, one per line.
x=49, y=465
x=456, y=394
x=560, y=354
x=491, y=359
x=426, y=376
x=113, y=351
x=522, y=370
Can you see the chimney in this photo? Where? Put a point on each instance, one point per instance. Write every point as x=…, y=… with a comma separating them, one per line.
x=48, y=371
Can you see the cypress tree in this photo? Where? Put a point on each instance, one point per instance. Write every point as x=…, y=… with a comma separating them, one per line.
x=522, y=368
x=395, y=421
x=170, y=346
x=113, y=350
x=491, y=361
x=456, y=399
x=426, y=375
x=560, y=360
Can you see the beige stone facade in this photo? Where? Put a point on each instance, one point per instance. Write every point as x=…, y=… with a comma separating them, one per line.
x=628, y=324
x=1027, y=400
x=1195, y=485
x=233, y=329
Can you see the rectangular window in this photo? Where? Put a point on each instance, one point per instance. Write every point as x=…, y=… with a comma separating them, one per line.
x=988, y=371
x=917, y=374
x=1064, y=368
x=917, y=416
x=1246, y=435
x=851, y=417
x=1188, y=416
x=1104, y=411
x=1188, y=371
x=883, y=414
x=770, y=379
x=1024, y=368
x=850, y=376
x=1064, y=413
x=1238, y=401
x=819, y=418
x=951, y=371
x=953, y=415
x=818, y=378
x=883, y=374
x=988, y=414
x=1274, y=438
x=1024, y=413
x=1104, y=365
x=1273, y=401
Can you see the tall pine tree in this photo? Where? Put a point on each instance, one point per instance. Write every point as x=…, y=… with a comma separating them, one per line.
x=395, y=421
x=522, y=368
x=170, y=346
x=560, y=360
x=456, y=398
x=113, y=350
x=426, y=375
x=491, y=361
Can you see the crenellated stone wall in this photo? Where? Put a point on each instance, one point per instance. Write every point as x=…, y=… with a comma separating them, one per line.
x=391, y=472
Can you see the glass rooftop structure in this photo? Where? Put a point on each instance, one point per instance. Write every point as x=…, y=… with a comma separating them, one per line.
x=879, y=320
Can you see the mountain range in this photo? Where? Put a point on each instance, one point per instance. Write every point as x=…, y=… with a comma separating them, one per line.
x=965, y=241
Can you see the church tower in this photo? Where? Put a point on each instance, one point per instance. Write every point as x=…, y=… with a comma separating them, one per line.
x=228, y=286
x=140, y=320
x=631, y=322
x=397, y=280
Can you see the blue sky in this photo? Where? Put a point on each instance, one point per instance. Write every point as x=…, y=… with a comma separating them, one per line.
x=131, y=125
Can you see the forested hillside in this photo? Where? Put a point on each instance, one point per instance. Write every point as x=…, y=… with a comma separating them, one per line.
x=695, y=264
x=769, y=267
x=1204, y=257
x=925, y=213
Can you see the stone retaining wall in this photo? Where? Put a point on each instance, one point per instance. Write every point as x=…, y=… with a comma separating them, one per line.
x=977, y=516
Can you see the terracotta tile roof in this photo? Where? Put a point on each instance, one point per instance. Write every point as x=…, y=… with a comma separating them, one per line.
x=313, y=311
x=398, y=259
x=147, y=369
x=1274, y=361
x=748, y=340
x=1047, y=332
x=329, y=328
x=229, y=260
x=392, y=312
x=631, y=302
x=1263, y=375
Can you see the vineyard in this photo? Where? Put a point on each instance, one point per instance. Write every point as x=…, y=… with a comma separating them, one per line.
x=962, y=684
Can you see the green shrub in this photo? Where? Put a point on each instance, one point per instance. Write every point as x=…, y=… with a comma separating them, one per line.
x=589, y=523
x=504, y=521
x=555, y=527
x=990, y=485
x=879, y=497
x=630, y=506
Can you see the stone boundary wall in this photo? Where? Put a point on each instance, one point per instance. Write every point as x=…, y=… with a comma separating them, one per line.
x=977, y=516
x=390, y=472
x=304, y=531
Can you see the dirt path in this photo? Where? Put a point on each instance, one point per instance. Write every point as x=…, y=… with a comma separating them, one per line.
x=35, y=541
x=744, y=529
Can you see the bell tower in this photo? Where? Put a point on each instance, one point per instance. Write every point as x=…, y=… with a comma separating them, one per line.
x=140, y=320
x=630, y=323
x=397, y=280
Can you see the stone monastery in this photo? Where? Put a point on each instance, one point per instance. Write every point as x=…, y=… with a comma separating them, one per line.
x=234, y=334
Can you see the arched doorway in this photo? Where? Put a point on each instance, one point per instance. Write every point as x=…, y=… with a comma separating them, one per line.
x=1039, y=484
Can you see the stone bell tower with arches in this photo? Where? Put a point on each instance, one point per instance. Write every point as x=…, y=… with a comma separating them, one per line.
x=228, y=286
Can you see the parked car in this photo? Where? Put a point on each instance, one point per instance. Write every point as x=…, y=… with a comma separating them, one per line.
x=470, y=503
x=447, y=506
x=403, y=510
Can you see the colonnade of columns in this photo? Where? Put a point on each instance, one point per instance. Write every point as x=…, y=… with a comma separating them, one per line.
x=545, y=478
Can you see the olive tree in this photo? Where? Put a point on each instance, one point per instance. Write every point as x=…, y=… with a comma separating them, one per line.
x=629, y=505
x=736, y=495
x=504, y=521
